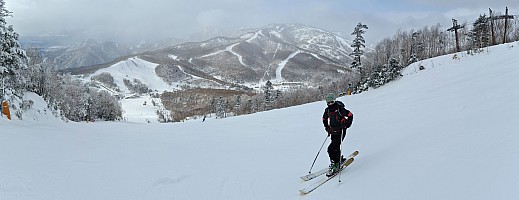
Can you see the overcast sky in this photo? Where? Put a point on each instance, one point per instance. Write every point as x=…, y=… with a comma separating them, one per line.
x=136, y=19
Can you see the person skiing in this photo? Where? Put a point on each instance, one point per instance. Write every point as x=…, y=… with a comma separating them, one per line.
x=336, y=120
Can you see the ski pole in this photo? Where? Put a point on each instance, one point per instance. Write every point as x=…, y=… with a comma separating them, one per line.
x=310, y=171
x=343, y=136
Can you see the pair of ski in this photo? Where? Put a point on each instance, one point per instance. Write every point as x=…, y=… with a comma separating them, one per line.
x=311, y=176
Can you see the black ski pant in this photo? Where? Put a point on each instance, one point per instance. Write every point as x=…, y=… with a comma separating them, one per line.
x=334, y=149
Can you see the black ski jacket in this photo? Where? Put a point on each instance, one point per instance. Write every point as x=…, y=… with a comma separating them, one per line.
x=337, y=117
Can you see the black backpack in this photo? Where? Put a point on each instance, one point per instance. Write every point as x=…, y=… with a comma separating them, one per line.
x=335, y=117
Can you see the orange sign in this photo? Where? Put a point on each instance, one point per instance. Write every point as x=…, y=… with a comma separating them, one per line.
x=5, y=110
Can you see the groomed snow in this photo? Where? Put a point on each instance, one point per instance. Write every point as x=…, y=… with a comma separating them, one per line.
x=446, y=132
x=135, y=68
x=279, y=77
x=140, y=109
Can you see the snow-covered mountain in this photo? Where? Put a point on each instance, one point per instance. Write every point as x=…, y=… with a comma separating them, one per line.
x=283, y=53
x=88, y=53
x=289, y=55
x=446, y=132
x=67, y=53
x=302, y=53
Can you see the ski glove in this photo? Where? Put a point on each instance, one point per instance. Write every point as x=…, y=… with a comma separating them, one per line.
x=343, y=121
x=328, y=129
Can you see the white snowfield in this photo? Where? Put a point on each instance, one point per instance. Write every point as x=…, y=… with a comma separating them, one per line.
x=446, y=132
x=135, y=68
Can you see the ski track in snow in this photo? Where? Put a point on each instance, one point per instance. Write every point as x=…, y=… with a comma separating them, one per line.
x=317, y=56
x=183, y=71
x=281, y=65
x=229, y=49
x=240, y=58
x=267, y=72
x=254, y=36
x=212, y=54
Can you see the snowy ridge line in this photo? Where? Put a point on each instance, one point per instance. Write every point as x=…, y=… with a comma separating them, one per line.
x=254, y=36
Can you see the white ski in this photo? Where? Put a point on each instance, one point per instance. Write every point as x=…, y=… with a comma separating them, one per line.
x=323, y=171
x=316, y=185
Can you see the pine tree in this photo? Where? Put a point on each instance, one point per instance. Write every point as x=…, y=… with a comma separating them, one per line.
x=269, y=98
x=220, y=107
x=393, y=70
x=237, y=105
x=358, y=42
x=13, y=59
x=479, y=36
x=415, y=48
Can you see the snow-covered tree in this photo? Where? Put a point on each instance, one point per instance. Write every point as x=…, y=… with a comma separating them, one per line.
x=13, y=59
x=136, y=86
x=73, y=98
x=269, y=97
x=358, y=42
x=394, y=69
x=105, y=106
x=39, y=72
x=479, y=36
x=238, y=103
x=77, y=102
x=415, y=48
x=220, y=107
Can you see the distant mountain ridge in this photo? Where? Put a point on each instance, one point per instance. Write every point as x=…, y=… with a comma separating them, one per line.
x=66, y=53
x=293, y=57
x=281, y=53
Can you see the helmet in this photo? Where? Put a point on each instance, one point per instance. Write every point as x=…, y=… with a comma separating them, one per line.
x=329, y=97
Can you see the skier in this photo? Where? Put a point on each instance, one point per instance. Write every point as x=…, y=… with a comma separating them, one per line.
x=336, y=120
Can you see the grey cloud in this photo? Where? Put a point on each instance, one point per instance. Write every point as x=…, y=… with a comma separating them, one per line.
x=137, y=19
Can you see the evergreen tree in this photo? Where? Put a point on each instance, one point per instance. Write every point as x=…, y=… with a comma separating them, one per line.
x=358, y=42
x=13, y=59
x=237, y=105
x=220, y=107
x=269, y=97
x=394, y=69
x=479, y=36
x=415, y=48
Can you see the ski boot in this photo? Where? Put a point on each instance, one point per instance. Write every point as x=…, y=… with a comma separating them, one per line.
x=332, y=169
x=343, y=159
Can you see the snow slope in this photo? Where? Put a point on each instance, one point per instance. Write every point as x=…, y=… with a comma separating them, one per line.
x=446, y=132
x=135, y=68
x=132, y=104
x=279, y=77
x=141, y=109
